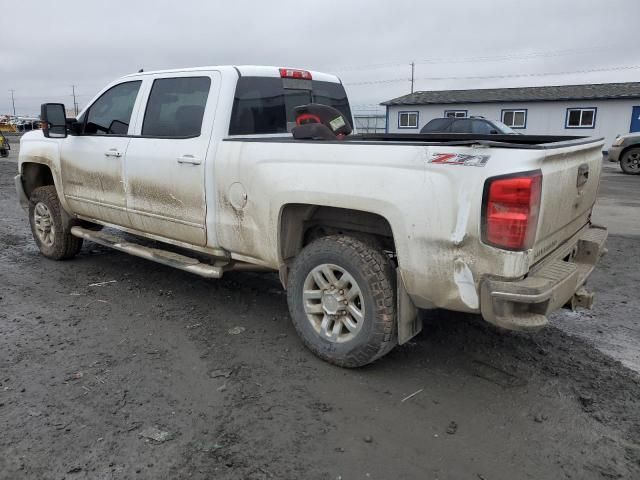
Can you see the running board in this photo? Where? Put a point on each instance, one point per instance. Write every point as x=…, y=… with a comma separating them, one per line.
x=165, y=257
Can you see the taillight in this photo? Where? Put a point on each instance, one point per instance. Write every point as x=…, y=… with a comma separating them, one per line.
x=510, y=210
x=292, y=73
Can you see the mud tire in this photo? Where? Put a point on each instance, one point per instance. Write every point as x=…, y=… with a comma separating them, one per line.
x=64, y=245
x=627, y=159
x=374, y=273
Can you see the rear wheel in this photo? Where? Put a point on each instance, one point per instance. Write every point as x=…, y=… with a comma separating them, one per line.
x=50, y=231
x=341, y=295
x=630, y=161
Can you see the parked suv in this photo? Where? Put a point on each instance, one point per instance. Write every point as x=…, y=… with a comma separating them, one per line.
x=626, y=150
x=477, y=125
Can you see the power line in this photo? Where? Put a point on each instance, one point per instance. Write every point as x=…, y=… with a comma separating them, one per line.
x=474, y=59
x=372, y=66
x=483, y=77
x=54, y=95
x=517, y=56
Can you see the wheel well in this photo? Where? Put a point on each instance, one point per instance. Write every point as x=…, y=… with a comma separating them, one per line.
x=635, y=145
x=35, y=175
x=300, y=224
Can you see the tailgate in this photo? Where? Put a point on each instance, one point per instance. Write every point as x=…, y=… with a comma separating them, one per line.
x=570, y=179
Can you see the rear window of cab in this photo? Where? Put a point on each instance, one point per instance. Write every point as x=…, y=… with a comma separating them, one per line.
x=265, y=105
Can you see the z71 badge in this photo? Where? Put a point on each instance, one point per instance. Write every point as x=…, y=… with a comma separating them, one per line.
x=459, y=159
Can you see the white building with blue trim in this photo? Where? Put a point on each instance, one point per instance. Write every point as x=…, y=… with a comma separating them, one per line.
x=598, y=110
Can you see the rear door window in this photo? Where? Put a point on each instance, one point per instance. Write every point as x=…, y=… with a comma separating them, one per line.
x=262, y=105
x=176, y=107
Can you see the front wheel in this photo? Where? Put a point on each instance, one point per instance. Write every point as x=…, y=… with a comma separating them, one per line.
x=630, y=161
x=341, y=295
x=50, y=230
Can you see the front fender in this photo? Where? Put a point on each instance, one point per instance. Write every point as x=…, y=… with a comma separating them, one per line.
x=35, y=148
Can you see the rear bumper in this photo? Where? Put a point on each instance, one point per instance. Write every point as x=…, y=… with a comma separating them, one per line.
x=524, y=304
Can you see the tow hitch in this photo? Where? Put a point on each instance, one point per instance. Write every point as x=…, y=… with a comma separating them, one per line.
x=582, y=298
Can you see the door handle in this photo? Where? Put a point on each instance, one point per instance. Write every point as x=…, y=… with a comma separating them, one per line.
x=189, y=159
x=113, y=152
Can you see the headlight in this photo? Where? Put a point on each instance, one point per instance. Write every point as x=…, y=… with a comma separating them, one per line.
x=618, y=141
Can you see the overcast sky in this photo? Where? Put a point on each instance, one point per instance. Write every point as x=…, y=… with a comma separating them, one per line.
x=50, y=45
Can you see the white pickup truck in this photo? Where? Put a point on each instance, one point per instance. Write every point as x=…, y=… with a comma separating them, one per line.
x=364, y=230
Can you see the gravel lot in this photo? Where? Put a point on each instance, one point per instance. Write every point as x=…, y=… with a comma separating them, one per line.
x=115, y=367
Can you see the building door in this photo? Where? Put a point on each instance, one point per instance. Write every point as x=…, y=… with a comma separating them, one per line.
x=635, y=120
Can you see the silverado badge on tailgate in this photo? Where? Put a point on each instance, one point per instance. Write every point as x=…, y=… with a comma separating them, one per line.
x=459, y=159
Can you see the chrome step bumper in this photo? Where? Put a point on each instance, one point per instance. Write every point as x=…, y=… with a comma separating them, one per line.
x=524, y=304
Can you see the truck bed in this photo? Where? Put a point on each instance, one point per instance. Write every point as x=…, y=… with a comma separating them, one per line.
x=535, y=142
x=507, y=141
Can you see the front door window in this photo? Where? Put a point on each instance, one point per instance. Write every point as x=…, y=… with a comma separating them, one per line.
x=111, y=113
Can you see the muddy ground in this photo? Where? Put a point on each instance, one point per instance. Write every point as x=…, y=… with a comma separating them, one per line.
x=100, y=353
x=614, y=323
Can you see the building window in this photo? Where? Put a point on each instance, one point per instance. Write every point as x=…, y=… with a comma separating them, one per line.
x=407, y=119
x=581, y=118
x=515, y=118
x=455, y=113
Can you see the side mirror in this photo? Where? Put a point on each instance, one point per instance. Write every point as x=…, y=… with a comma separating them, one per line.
x=54, y=120
x=118, y=128
x=493, y=132
x=75, y=127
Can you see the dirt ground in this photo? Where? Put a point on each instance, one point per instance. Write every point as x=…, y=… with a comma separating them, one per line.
x=113, y=367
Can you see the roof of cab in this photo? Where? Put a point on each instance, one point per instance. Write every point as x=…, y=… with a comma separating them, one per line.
x=246, y=70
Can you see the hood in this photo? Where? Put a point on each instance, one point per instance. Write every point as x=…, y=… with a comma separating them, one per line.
x=32, y=135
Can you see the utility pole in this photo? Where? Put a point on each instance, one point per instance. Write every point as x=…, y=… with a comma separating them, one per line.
x=13, y=102
x=75, y=104
x=413, y=69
